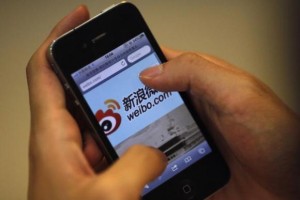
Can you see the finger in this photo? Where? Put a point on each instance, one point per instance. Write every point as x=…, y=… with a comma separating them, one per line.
x=146, y=163
x=44, y=88
x=194, y=73
x=93, y=153
x=175, y=74
x=170, y=53
x=75, y=18
x=55, y=135
x=45, y=92
x=39, y=74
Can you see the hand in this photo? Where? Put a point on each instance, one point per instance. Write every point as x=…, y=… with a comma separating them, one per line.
x=256, y=132
x=61, y=167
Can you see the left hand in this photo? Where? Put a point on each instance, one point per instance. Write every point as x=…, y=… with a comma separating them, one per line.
x=61, y=167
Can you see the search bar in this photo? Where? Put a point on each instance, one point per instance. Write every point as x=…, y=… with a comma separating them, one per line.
x=139, y=54
x=103, y=75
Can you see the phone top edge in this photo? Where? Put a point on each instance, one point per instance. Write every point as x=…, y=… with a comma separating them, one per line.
x=104, y=11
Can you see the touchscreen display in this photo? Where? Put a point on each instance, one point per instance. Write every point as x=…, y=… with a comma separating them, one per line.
x=132, y=113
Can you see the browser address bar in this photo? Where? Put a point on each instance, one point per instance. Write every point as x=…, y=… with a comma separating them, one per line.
x=103, y=75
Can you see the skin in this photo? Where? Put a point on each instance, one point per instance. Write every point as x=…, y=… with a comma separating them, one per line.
x=61, y=167
x=256, y=132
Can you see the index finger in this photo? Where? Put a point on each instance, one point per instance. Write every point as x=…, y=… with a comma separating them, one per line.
x=54, y=133
x=44, y=87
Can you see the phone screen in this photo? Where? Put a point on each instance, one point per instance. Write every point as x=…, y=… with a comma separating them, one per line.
x=131, y=113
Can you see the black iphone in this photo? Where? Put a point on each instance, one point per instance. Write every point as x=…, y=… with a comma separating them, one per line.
x=99, y=64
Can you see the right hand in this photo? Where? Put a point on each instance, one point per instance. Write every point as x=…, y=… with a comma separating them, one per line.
x=257, y=133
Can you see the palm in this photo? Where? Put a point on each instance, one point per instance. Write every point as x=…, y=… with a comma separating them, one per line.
x=251, y=147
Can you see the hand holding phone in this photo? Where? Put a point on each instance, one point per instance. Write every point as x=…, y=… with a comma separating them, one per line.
x=238, y=108
x=60, y=163
x=59, y=169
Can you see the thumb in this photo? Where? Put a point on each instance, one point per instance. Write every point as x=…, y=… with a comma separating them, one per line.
x=182, y=72
x=199, y=74
x=137, y=167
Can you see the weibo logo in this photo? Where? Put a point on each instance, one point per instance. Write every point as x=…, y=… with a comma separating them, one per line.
x=109, y=120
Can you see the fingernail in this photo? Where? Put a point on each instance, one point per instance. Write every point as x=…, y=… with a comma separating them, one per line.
x=151, y=72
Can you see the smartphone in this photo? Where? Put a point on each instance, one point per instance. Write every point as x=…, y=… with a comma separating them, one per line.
x=98, y=64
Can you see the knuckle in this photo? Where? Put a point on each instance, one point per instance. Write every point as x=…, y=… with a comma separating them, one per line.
x=32, y=65
x=29, y=67
x=190, y=58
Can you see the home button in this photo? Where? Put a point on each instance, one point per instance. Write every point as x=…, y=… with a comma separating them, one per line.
x=186, y=189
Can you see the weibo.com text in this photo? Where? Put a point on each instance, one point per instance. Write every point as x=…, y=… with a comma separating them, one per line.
x=137, y=102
